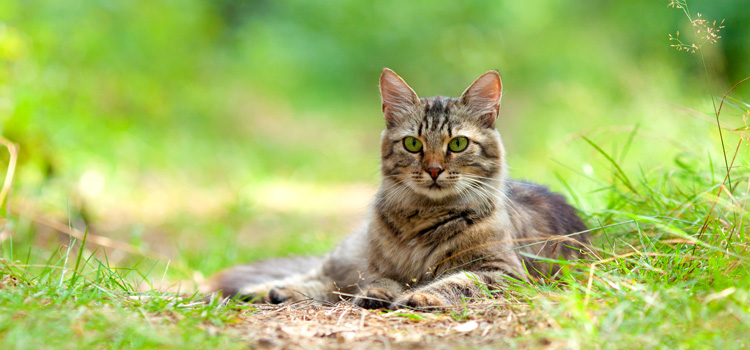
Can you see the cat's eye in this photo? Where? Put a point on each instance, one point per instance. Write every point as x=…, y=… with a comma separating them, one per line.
x=458, y=144
x=412, y=144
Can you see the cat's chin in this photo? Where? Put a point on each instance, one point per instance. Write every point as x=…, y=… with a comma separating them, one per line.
x=435, y=193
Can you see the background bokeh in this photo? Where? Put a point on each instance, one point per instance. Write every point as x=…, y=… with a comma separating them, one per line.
x=214, y=132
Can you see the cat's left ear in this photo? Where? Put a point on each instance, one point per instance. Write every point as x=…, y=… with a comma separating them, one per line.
x=398, y=98
x=483, y=97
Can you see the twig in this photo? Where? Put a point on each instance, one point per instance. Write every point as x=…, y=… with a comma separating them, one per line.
x=13, y=150
x=107, y=242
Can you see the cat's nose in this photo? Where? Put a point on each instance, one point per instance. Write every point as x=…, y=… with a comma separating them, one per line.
x=434, y=172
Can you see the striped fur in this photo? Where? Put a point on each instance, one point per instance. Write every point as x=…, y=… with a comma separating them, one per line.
x=431, y=241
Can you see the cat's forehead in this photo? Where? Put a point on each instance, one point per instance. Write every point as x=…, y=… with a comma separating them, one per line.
x=436, y=116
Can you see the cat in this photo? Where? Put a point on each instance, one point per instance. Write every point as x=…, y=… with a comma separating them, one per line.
x=446, y=224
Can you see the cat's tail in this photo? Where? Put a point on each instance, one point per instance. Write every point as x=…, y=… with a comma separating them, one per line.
x=233, y=280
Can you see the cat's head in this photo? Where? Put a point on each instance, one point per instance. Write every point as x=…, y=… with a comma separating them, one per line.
x=440, y=147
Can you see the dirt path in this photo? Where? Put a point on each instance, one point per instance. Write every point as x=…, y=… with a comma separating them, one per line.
x=310, y=325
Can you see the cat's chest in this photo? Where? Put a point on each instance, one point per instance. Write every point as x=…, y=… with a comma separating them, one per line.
x=417, y=246
x=411, y=262
x=428, y=229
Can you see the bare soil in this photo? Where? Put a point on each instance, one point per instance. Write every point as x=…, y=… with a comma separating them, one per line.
x=311, y=325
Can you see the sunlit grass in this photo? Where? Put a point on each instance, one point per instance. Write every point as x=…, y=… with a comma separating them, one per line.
x=75, y=301
x=670, y=274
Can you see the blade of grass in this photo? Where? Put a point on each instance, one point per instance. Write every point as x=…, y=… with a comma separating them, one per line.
x=620, y=173
x=79, y=258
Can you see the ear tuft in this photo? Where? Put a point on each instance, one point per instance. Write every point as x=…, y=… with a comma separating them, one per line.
x=483, y=97
x=398, y=98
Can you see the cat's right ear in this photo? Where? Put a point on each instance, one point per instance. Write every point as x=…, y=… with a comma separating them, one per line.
x=483, y=97
x=398, y=98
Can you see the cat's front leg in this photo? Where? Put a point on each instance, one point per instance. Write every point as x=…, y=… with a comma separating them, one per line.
x=379, y=294
x=448, y=291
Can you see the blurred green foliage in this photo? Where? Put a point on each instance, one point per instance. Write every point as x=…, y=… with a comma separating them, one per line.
x=204, y=94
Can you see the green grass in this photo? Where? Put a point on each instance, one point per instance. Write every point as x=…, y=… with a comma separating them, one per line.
x=673, y=274
x=88, y=304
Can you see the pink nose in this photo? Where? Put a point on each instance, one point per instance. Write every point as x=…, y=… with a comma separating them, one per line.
x=434, y=172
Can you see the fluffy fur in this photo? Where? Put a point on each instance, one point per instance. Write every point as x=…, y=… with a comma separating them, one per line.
x=445, y=224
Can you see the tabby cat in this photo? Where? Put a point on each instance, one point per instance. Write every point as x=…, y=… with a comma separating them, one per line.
x=446, y=224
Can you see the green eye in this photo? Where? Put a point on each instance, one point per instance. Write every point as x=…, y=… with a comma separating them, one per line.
x=458, y=144
x=412, y=144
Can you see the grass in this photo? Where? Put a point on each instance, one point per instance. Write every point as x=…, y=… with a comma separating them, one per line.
x=666, y=198
x=99, y=306
x=673, y=275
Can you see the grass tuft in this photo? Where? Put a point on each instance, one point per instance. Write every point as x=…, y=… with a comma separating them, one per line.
x=101, y=306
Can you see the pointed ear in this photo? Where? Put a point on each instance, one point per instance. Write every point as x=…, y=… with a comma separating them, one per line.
x=398, y=98
x=483, y=97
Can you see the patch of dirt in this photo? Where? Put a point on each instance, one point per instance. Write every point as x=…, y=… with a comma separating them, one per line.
x=310, y=325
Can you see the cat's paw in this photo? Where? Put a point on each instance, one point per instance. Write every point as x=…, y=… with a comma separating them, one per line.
x=266, y=295
x=419, y=301
x=254, y=294
x=375, y=298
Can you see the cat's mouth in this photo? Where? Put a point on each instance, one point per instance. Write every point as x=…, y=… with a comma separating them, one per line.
x=435, y=186
x=433, y=189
